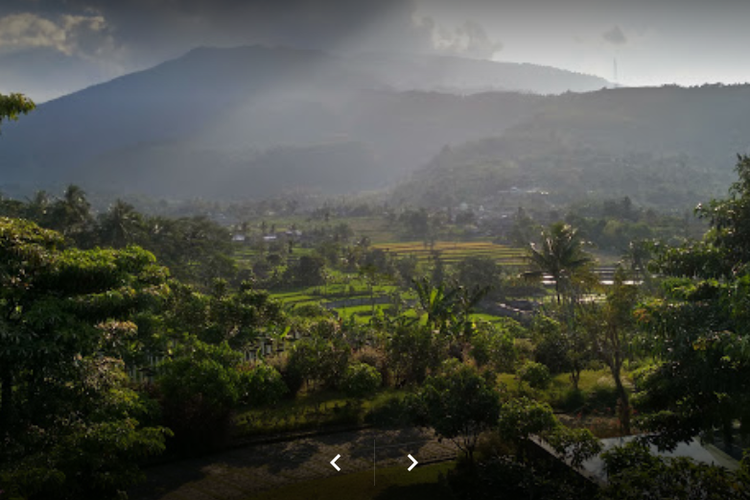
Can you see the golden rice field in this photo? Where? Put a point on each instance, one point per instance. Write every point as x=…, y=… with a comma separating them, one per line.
x=451, y=251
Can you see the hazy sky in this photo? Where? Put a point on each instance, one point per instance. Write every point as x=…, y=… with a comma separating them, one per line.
x=659, y=41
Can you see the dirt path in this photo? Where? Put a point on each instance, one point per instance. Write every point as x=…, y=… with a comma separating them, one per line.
x=239, y=473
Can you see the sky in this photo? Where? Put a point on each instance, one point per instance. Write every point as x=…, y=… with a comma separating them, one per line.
x=55, y=46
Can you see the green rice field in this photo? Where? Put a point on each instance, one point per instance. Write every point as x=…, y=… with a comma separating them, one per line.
x=452, y=252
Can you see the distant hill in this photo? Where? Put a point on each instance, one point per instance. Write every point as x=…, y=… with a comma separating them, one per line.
x=667, y=147
x=256, y=121
x=220, y=110
x=463, y=75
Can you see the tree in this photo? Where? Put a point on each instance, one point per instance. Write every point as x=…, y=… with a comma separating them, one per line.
x=13, y=105
x=307, y=272
x=700, y=330
x=611, y=329
x=199, y=387
x=478, y=272
x=460, y=404
x=72, y=214
x=559, y=255
x=633, y=473
x=521, y=419
x=63, y=389
x=121, y=226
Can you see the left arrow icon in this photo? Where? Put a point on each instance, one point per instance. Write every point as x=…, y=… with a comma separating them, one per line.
x=333, y=462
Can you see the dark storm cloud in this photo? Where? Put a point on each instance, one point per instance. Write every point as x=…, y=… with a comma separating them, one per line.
x=615, y=36
x=155, y=28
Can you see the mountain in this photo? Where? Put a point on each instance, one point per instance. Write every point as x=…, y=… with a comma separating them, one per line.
x=667, y=147
x=462, y=75
x=216, y=116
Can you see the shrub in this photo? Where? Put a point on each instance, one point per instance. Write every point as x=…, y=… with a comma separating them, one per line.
x=262, y=385
x=316, y=360
x=199, y=388
x=360, y=380
x=535, y=374
x=493, y=348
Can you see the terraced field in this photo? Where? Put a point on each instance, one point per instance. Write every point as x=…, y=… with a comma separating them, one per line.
x=451, y=252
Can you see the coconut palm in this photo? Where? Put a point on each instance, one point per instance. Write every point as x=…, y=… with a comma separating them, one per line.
x=560, y=254
x=120, y=225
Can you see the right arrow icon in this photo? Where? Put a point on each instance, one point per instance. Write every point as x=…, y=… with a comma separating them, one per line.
x=414, y=464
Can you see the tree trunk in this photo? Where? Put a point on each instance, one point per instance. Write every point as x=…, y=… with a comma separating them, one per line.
x=575, y=375
x=623, y=404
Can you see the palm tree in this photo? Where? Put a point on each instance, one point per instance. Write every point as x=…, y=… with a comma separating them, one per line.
x=559, y=255
x=72, y=212
x=38, y=206
x=120, y=225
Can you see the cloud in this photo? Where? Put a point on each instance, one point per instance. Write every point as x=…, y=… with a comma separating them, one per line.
x=615, y=36
x=79, y=35
x=151, y=30
x=469, y=39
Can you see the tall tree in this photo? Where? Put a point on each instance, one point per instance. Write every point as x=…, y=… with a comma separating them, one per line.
x=700, y=330
x=121, y=225
x=560, y=255
x=611, y=329
x=63, y=390
x=71, y=215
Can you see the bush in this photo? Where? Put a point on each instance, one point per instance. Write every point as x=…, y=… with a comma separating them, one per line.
x=494, y=348
x=199, y=389
x=262, y=385
x=316, y=360
x=535, y=374
x=360, y=380
x=374, y=357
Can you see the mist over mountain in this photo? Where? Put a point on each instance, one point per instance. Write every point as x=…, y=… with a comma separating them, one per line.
x=257, y=121
x=669, y=147
x=213, y=111
x=464, y=75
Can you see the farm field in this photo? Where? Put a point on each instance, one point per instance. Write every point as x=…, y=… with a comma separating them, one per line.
x=452, y=252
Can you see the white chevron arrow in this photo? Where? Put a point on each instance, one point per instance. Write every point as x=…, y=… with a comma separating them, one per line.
x=414, y=464
x=333, y=462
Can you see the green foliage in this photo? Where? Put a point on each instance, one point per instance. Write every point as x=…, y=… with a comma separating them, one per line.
x=634, y=473
x=552, y=346
x=13, y=105
x=535, y=374
x=93, y=444
x=522, y=419
x=308, y=271
x=519, y=419
x=699, y=330
x=199, y=388
x=316, y=360
x=236, y=317
x=262, y=385
x=459, y=404
x=412, y=351
x=493, y=347
x=560, y=255
x=479, y=271
x=360, y=380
